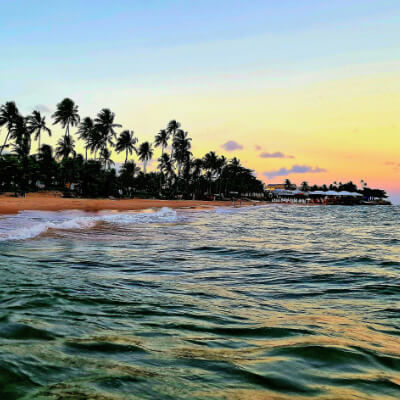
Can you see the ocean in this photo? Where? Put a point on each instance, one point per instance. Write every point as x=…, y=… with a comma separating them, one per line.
x=273, y=302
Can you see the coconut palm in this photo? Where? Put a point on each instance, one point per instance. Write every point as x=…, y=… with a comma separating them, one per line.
x=95, y=141
x=66, y=115
x=8, y=115
x=210, y=164
x=304, y=187
x=130, y=169
x=86, y=132
x=161, y=139
x=126, y=142
x=104, y=123
x=221, y=164
x=235, y=163
x=127, y=175
x=21, y=135
x=288, y=184
x=105, y=157
x=145, y=153
x=65, y=147
x=197, y=166
x=165, y=163
x=166, y=167
x=37, y=124
x=181, y=147
x=172, y=127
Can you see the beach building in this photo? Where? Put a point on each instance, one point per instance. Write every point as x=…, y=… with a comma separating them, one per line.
x=273, y=186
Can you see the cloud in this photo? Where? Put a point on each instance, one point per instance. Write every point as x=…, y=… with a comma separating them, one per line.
x=277, y=154
x=231, y=145
x=42, y=108
x=296, y=169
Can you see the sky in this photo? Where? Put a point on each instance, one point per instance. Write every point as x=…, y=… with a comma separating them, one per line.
x=306, y=90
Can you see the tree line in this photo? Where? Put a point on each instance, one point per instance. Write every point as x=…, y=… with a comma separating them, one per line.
x=339, y=187
x=93, y=174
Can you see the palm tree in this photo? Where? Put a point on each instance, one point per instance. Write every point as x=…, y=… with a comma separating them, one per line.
x=197, y=167
x=235, y=163
x=37, y=124
x=181, y=146
x=126, y=142
x=65, y=147
x=95, y=141
x=288, y=184
x=130, y=169
x=210, y=161
x=66, y=115
x=304, y=187
x=86, y=132
x=173, y=127
x=145, y=154
x=127, y=176
x=105, y=157
x=210, y=164
x=22, y=136
x=8, y=115
x=104, y=122
x=161, y=139
x=165, y=163
x=221, y=164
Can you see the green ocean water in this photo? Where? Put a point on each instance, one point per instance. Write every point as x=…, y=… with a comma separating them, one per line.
x=275, y=302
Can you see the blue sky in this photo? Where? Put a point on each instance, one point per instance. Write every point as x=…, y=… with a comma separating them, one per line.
x=240, y=71
x=158, y=41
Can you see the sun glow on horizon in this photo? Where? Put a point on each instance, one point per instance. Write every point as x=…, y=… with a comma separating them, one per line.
x=310, y=93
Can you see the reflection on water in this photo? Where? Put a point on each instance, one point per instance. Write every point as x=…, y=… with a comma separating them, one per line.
x=275, y=302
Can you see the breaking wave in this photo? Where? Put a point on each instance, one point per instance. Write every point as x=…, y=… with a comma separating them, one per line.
x=27, y=225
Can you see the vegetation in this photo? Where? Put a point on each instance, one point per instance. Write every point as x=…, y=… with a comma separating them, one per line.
x=94, y=174
x=339, y=187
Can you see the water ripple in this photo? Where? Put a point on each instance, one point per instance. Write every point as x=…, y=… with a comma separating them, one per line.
x=258, y=303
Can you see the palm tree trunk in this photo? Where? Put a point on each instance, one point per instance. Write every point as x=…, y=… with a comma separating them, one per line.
x=126, y=156
x=39, y=144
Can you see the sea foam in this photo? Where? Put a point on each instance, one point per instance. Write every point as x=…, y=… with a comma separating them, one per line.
x=27, y=225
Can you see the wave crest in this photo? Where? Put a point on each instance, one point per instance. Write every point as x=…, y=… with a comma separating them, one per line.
x=35, y=224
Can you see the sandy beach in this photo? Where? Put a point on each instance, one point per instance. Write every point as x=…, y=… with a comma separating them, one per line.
x=52, y=201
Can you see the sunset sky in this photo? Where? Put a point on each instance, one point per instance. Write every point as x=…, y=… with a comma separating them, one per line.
x=298, y=89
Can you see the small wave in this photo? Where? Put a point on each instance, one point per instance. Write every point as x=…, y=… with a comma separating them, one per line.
x=18, y=331
x=36, y=225
x=39, y=228
x=164, y=215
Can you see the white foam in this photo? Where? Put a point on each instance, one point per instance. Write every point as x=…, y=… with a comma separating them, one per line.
x=165, y=215
x=33, y=228
x=27, y=225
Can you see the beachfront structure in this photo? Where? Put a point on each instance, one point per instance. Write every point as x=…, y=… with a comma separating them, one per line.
x=318, y=197
x=275, y=186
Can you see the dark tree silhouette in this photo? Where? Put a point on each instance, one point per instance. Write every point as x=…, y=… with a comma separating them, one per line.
x=126, y=142
x=37, y=125
x=66, y=115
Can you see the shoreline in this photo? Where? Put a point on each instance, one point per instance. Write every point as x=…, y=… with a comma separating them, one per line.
x=54, y=202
